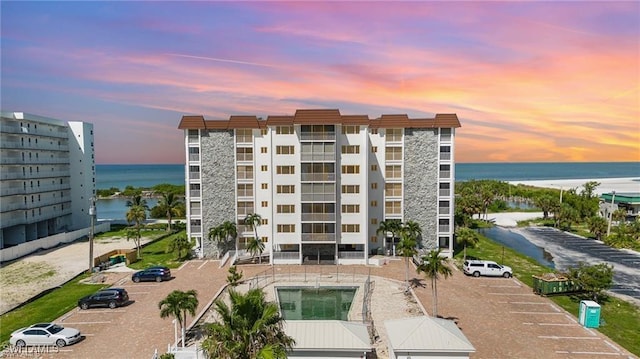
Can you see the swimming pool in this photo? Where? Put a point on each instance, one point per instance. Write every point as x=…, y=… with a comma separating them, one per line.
x=310, y=303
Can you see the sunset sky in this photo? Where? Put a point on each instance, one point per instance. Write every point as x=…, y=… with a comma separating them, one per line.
x=530, y=81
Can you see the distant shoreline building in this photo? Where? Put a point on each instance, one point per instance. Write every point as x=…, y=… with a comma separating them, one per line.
x=47, y=175
x=321, y=181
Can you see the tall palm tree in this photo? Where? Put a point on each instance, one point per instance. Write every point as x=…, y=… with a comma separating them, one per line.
x=171, y=205
x=253, y=220
x=137, y=214
x=466, y=237
x=137, y=200
x=255, y=247
x=229, y=229
x=407, y=249
x=250, y=327
x=177, y=304
x=413, y=228
x=434, y=266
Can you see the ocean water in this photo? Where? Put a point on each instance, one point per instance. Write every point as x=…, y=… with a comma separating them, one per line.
x=145, y=175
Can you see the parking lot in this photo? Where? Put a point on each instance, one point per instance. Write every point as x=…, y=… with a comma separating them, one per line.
x=573, y=249
x=501, y=317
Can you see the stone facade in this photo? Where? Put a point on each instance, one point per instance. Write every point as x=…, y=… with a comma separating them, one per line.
x=218, y=174
x=421, y=182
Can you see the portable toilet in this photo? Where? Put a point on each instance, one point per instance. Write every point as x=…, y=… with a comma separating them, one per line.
x=589, y=315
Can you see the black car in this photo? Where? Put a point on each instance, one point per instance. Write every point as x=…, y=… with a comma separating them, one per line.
x=157, y=274
x=112, y=298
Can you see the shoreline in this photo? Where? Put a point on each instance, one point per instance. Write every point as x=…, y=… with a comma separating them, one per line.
x=607, y=185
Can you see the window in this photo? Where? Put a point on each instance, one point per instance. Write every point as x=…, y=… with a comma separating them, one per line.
x=286, y=208
x=394, y=171
x=374, y=149
x=244, y=208
x=374, y=203
x=263, y=150
x=264, y=186
x=264, y=204
x=374, y=185
x=393, y=154
x=286, y=228
x=264, y=168
x=351, y=149
x=264, y=221
x=244, y=154
x=373, y=131
x=350, y=208
x=374, y=239
x=350, y=189
x=285, y=170
x=244, y=135
x=264, y=239
x=393, y=189
x=351, y=228
x=394, y=134
x=245, y=172
x=284, y=150
x=286, y=189
x=245, y=189
x=350, y=169
x=374, y=221
x=347, y=129
x=284, y=130
x=393, y=207
x=374, y=167
x=264, y=132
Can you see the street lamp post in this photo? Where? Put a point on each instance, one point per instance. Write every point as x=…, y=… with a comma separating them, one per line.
x=613, y=196
x=92, y=214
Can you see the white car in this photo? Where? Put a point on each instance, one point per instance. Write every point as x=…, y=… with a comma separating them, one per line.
x=477, y=268
x=45, y=334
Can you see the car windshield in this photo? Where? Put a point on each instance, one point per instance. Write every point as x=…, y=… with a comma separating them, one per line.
x=54, y=329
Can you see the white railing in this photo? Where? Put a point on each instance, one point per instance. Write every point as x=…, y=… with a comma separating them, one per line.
x=319, y=136
x=319, y=217
x=445, y=192
x=318, y=177
x=286, y=255
x=318, y=237
x=325, y=197
x=445, y=174
x=311, y=156
x=443, y=228
x=351, y=255
x=445, y=156
x=444, y=210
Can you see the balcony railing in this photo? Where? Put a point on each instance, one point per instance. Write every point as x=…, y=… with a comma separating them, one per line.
x=443, y=228
x=445, y=174
x=286, y=255
x=351, y=255
x=444, y=210
x=320, y=136
x=194, y=175
x=318, y=237
x=194, y=194
x=309, y=156
x=318, y=197
x=194, y=157
x=196, y=229
x=445, y=156
x=323, y=217
x=318, y=177
x=196, y=211
x=445, y=192
x=193, y=139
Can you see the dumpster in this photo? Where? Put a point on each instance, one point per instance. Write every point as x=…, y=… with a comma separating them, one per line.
x=118, y=258
x=552, y=283
x=589, y=315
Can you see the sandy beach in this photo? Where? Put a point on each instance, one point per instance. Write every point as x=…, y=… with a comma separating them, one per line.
x=620, y=185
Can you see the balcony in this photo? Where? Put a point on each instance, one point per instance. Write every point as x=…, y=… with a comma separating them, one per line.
x=445, y=174
x=351, y=255
x=194, y=194
x=196, y=229
x=444, y=192
x=444, y=228
x=318, y=237
x=196, y=211
x=310, y=156
x=286, y=255
x=318, y=217
x=318, y=197
x=194, y=157
x=318, y=136
x=194, y=175
x=318, y=177
x=444, y=210
x=193, y=139
x=445, y=156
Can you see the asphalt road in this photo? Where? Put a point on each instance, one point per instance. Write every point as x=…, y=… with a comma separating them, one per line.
x=569, y=250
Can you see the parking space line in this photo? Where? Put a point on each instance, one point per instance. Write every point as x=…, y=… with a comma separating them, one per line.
x=570, y=318
x=203, y=263
x=80, y=323
x=554, y=337
x=537, y=313
x=590, y=331
x=183, y=265
x=101, y=311
x=612, y=346
x=559, y=324
x=585, y=353
x=139, y=292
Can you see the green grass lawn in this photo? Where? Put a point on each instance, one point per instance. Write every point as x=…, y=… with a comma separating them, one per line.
x=46, y=308
x=155, y=253
x=620, y=320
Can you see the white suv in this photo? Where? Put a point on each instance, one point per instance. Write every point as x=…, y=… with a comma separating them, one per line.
x=488, y=268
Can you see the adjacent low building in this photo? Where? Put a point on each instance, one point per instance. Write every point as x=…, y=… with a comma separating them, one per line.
x=47, y=178
x=629, y=202
x=321, y=182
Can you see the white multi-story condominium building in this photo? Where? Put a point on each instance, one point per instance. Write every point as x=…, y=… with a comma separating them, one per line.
x=322, y=182
x=47, y=177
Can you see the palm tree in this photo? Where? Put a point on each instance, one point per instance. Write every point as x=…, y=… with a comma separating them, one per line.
x=171, y=205
x=253, y=220
x=250, y=327
x=177, y=304
x=179, y=244
x=228, y=229
x=137, y=200
x=389, y=226
x=597, y=226
x=255, y=247
x=137, y=214
x=434, y=266
x=407, y=249
x=413, y=228
x=467, y=237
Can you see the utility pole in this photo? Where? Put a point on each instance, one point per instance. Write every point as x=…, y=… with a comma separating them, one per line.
x=613, y=196
x=92, y=214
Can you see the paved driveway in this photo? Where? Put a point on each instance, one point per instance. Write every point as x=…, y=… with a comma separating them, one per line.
x=501, y=317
